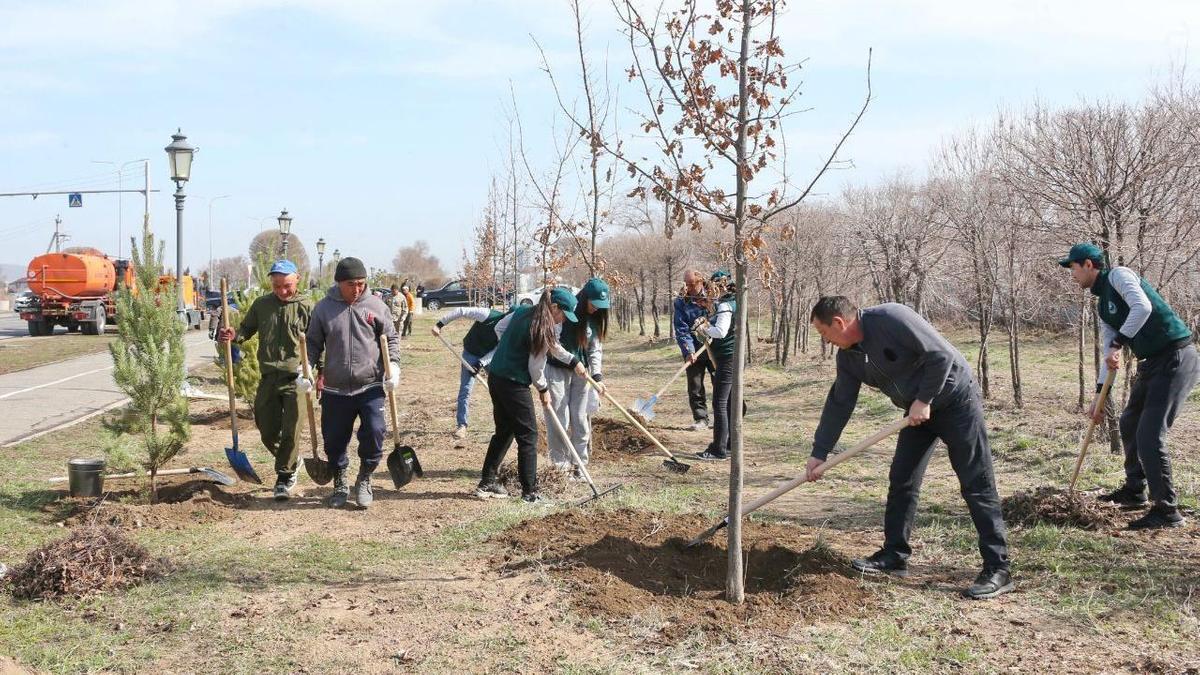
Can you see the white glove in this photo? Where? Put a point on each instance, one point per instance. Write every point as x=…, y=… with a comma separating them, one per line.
x=303, y=384
x=391, y=383
x=593, y=402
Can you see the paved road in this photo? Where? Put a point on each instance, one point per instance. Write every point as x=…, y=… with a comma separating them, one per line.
x=47, y=397
x=12, y=326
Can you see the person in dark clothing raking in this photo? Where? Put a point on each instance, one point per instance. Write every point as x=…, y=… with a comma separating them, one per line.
x=1132, y=314
x=892, y=348
x=527, y=336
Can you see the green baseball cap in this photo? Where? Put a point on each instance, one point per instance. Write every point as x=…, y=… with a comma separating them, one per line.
x=596, y=291
x=1083, y=251
x=563, y=298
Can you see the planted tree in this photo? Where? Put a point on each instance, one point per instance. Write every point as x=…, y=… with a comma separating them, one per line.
x=148, y=359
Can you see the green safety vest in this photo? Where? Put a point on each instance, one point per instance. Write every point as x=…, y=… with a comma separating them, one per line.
x=723, y=348
x=511, y=360
x=1162, y=329
x=482, y=339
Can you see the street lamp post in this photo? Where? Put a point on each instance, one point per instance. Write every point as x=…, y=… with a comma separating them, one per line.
x=337, y=257
x=180, y=154
x=321, y=261
x=120, y=169
x=285, y=229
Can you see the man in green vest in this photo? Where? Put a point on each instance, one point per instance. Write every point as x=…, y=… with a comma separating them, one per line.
x=280, y=319
x=478, y=345
x=1132, y=314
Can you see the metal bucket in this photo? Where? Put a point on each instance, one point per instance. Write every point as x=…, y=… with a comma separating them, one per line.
x=86, y=477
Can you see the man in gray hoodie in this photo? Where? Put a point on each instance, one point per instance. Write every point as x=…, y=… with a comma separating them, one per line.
x=343, y=341
x=892, y=348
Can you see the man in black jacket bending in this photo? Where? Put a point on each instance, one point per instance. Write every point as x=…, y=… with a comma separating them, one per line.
x=890, y=347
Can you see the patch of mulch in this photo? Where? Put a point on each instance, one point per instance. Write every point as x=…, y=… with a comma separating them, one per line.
x=1054, y=506
x=91, y=559
x=611, y=436
x=552, y=483
x=179, y=505
x=626, y=564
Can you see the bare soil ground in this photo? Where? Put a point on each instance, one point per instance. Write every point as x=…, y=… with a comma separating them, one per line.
x=431, y=579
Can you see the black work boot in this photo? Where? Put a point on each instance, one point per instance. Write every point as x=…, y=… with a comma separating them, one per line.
x=535, y=499
x=989, y=584
x=341, y=491
x=363, y=494
x=1158, y=517
x=490, y=489
x=881, y=562
x=1125, y=496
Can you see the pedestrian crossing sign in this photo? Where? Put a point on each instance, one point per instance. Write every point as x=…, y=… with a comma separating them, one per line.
x=74, y=200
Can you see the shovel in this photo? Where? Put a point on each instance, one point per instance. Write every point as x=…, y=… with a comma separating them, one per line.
x=1087, y=439
x=788, y=486
x=316, y=468
x=646, y=408
x=672, y=464
x=237, y=459
x=402, y=461
x=562, y=434
x=466, y=365
x=211, y=474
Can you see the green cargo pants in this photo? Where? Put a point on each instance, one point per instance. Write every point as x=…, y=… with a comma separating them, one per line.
x=277, y=416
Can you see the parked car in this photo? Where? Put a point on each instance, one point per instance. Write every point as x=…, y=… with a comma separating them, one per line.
x=532, y=297
x=212, y=300
x=24, y=301
x=458, y=293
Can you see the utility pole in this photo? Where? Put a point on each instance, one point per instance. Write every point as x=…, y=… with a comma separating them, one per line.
x=57, y=237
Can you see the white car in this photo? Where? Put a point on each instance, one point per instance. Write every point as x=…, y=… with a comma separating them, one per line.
x=532, y=297
x=23, y=301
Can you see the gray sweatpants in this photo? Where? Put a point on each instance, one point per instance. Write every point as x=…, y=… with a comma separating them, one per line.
x=1159, y=390
x=568, y=398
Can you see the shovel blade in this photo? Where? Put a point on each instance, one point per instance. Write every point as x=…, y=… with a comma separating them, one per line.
x=645, y=408
x=400, y=463
x=241, y=465
x=218, y=477
x=318, y=470
x=676, y=466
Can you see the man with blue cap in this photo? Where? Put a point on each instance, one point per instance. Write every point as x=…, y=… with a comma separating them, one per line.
x=280, y=320
x=1132, y=314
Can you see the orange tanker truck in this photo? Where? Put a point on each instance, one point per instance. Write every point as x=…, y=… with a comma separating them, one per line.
x=76, y=290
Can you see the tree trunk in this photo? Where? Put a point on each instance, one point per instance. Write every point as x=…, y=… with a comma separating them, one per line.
x=641, y=302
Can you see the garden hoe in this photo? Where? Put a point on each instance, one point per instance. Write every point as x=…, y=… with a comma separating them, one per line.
x=316, y=468
x=402, y=462
x=237, y=459
x=209, y=474
x=671, y=463
x=645, y=409
x=466, y=365
x=788, y=486
x=562, y=433
x=1087, y=439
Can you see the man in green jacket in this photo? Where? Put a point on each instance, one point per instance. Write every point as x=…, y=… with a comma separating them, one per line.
x=1132, y=314
x=280, y=321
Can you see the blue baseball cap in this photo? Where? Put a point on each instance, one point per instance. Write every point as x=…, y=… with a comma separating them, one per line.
x=283, y=267
x=596, y=291
x=563, y=298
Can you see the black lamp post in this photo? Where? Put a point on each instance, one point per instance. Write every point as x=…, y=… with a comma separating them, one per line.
x=180, y=154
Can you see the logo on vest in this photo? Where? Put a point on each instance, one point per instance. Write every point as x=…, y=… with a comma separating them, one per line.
x=1112, y=307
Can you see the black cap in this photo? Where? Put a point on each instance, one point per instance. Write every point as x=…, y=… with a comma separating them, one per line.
x=350, y=268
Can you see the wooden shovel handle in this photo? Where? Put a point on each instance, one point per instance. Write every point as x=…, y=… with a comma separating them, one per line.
x=466, y=365
x=631, y=419
x=312, y=414
x=1087, y=438
x=229, y=360
x=562, y=434
x=679, y=372
x=387, y=373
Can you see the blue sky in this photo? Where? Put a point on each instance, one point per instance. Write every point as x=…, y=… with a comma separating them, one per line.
x=379, y=123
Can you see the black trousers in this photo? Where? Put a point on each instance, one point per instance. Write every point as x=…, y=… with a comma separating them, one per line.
x=960, y=425
x=695, y=386
x=722, y=395
x=1159, y=390
x=337, y=424
x=515, y=417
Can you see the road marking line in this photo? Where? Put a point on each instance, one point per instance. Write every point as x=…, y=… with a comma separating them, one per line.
x=51, y=384
x=64, y=425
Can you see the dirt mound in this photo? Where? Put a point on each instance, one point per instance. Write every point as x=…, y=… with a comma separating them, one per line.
x=179, y=505
x=551, y=482
x=92, y=559
x=611, y=436
x=1054, y=506
x=633, y=565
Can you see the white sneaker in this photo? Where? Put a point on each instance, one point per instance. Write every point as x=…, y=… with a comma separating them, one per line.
x=700, y=425
x=461, y=432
